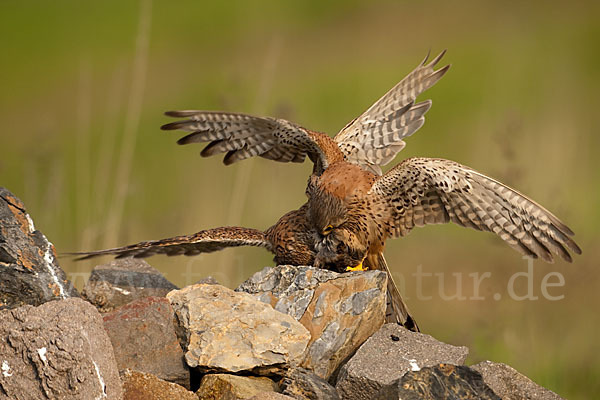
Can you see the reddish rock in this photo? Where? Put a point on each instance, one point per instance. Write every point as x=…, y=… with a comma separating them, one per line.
x=143, y=337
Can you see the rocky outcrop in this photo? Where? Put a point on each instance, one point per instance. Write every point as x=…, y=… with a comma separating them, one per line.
x=29, y=270
x=226, y=331
x=295, y=330
x=122, y=281
x=340, y=310
x=143, y=338
x=144, y=386
x=509, y=384
x=442, y=381
x=233, y=387
x=388, y=355
x=56, y=350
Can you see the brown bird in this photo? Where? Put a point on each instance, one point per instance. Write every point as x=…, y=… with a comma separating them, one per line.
x=352, y=208
x=369, y=141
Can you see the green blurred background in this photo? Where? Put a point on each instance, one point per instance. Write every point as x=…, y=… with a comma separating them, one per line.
x=84, y=86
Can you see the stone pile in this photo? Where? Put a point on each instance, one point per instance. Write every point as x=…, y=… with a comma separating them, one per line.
x=286, y=333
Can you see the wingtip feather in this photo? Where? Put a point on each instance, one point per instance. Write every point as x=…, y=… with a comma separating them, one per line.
x=171, y=126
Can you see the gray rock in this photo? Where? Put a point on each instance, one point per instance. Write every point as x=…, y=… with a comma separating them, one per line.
x=388, y=355
x=122, y=281
x=302, y=384
x=29, y=270
x=340, y=310
x=443, y=381
x=143, y=338
x=56, y=350
x=510, y=384
x=144, y=386
x=225, y=331
x=233, y=387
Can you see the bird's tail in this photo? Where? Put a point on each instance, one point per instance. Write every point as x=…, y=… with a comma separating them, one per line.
x=396, y=310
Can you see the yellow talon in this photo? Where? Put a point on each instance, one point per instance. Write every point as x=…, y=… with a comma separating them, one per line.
x=359, y=267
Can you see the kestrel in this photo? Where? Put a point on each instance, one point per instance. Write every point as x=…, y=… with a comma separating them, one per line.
x=352, y=208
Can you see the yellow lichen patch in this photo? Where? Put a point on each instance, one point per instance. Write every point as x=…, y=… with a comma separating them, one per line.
x=55, y=289
x=16, y=207
x=25, y=258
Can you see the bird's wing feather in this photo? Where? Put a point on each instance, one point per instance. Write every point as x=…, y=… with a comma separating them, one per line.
x=205, y=241
x=374, y=138
x=421, y=191
x=241, y=136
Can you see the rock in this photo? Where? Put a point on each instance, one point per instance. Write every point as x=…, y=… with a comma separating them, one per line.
x=233, y=387
x=144, y=386
x=143, y=338
x=123, y=281
x=270, y=396
x=225, y=331
x=303, y=384
x=57, y=350
x=510, y=384
x=340, y=310
x=388, y=355
x=442, y=381
x=29, y=270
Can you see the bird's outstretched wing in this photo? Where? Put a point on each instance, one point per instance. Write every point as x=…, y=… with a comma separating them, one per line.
x=242, y=136
x=373, y=139
x=190, y=245
x=422, y=191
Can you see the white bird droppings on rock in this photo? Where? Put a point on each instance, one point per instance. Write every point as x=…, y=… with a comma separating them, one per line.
x=6, y=369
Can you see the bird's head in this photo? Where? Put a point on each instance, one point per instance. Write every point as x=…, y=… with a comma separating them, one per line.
x=338, y=250
x=325, y=211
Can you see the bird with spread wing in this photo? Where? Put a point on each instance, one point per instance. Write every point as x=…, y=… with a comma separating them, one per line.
x=353, y=208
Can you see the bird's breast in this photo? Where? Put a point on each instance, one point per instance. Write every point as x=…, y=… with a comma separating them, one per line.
x=344, y=180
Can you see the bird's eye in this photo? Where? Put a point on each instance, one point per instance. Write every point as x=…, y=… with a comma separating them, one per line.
x=327, y=230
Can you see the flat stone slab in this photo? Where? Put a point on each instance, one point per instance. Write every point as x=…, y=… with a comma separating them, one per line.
x=389, y=354
x=340, y=310
x=510, y=384
x=58, y=350
x=226, y=331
